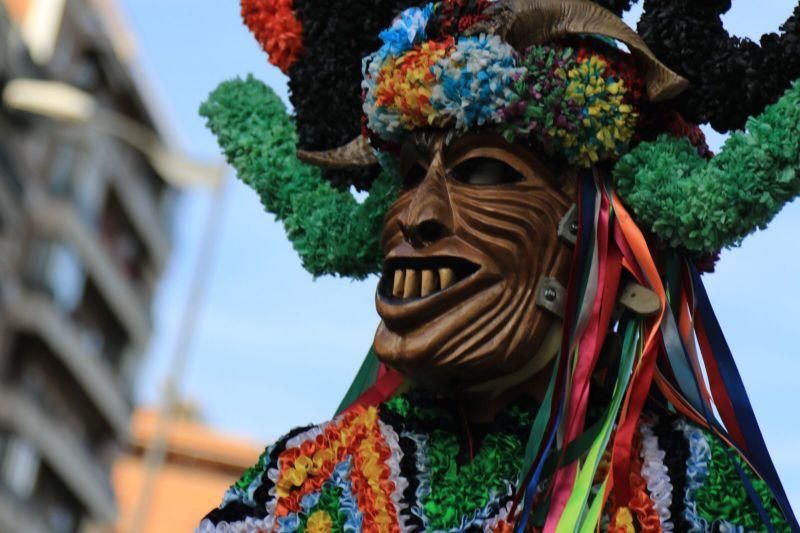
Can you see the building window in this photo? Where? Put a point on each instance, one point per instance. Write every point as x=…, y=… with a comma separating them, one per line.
x=61, y=169
x=86, y=71
x=66, y=276
x=60, y=518
x=56, y=268
x=100, y=331
x=56, y=504
x=73, y=176
x=19, y=467
x=9, y=177
x=122, y=243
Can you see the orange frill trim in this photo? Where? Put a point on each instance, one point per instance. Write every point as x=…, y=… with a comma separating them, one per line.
x=640, y=503
x=357, y=434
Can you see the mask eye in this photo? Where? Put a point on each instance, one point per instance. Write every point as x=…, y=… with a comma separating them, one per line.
x=414, y=176
x=486, y=171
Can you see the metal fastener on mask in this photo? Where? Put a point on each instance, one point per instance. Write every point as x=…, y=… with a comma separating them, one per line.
x=568, y=227
x=551, y=296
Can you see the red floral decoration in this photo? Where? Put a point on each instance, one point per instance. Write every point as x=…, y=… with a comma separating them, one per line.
x=453, y=17
x=277, y=30
x=678, y=127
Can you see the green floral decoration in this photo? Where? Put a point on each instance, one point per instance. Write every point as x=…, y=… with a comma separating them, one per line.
x=703, y=206
x=723, y=496
x=329, y=229
x=461, y=490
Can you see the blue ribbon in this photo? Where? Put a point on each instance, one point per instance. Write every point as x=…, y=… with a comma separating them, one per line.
x=757, y=448
x=530, y=490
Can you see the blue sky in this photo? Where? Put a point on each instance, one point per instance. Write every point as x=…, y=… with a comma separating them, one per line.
x=275, y=349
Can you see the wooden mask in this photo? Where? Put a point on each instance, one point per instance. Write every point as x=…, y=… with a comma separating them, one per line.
x=466, y=245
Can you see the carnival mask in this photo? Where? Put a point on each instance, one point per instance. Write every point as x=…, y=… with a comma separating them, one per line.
x=467, y=243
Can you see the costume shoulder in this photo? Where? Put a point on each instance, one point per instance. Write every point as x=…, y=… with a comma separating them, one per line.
x=409, y=465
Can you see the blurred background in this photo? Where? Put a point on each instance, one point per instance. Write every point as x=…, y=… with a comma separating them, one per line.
x=156, y=329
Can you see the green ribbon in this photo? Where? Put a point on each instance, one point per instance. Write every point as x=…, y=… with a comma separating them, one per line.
x=365, y=378
x=536, y=437
x=575, y=513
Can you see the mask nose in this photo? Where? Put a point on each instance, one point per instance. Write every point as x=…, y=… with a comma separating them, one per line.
x=429, y=217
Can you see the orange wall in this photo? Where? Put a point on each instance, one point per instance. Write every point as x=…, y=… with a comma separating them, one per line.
x=181, y=497
x=201, y=464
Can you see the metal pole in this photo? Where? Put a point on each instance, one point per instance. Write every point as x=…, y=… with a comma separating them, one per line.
x=156, y=451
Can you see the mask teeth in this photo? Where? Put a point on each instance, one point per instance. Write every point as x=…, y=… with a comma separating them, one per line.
x=446, y=277
x=429, y=283
x=413, y=283
x=411, y=289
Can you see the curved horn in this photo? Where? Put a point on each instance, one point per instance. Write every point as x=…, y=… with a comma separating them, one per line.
x=356, y=153
x=523, y=23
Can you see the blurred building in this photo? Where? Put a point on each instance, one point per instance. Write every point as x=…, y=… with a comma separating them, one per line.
x=198, y=467
x=83, y=240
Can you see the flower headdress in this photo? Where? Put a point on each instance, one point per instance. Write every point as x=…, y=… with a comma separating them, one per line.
x=543, y=72
x=578, y=103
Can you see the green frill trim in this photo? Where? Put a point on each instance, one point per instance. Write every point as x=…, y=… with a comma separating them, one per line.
x=329, y=229
x=329, y=503
x=457, y=490
x=254, y=471
x=704, y=206
x=398, y=405
x=723, y=496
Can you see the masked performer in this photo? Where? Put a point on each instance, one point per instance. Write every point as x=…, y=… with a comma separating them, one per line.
x=540, y=210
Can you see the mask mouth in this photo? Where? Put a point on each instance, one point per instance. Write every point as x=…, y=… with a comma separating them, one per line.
x=407, y=279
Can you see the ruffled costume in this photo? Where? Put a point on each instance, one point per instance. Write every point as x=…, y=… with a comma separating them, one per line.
x=412, y=464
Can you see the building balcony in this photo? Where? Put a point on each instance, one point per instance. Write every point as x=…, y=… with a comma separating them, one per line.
x=58, y=219
x=71, y=462
x=38, y=315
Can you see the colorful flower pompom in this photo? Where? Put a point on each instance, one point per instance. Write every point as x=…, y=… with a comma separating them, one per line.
x=474, y=81
x=439, y=83
x=608, y=122
x=572, y=104
x=407, y=31
x=398, y=90
x=541, y=111
x=277, y=29
x=576, y=103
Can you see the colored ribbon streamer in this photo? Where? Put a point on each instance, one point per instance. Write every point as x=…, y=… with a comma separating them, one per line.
x=693, y=387
x=375, y=383
x=758, y=453
x=575, y=512
x=365, y=378
x=602, y=300
x=645, y=267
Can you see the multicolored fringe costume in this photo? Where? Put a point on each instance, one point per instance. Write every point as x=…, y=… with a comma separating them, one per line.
x=411, y=464
x=645, y=424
